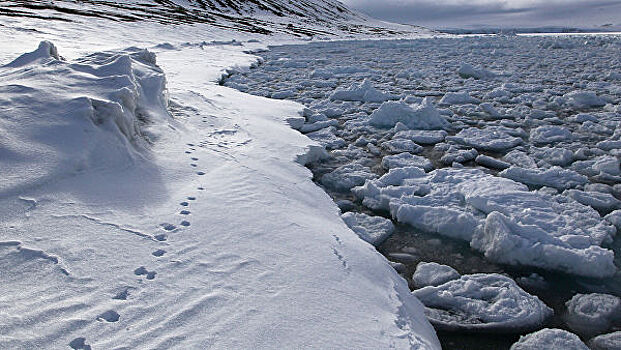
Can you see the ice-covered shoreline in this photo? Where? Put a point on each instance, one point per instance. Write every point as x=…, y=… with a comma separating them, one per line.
x=195, y=242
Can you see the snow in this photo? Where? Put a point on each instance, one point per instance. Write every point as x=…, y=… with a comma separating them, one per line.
x=593, y=313
x=423, y=116
x=482, y=302
x=549, y=339
x=372, y=229
x=468, y=71
x=433, y=274
x=145, y=206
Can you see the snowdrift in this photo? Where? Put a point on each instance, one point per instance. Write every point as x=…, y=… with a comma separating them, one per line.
x=64, y=117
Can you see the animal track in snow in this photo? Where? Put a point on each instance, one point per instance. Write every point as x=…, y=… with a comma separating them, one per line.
x=184, y=212
x=185, y=223
x=194, y=158
x=122, y=295
x=340, y=257
x=200, y=173
x=185, y=204
x=168, y=227
x=141, y=271
x=161, y=237
x=79, y=344
x=191, y=198
x=109, y=316
x=159, y=252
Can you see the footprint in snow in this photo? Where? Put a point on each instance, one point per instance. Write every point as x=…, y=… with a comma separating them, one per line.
x=185, y=204
x=184, y=212
x=159, y=252
x=141, y=271
x=122, y=295
x=185, y=223
x=168, y=227
x=109, y=316
x=79, y=344
x=191, y=198
x=194, y=158
x=200, y=173
x=161, y=237
x=193, y=165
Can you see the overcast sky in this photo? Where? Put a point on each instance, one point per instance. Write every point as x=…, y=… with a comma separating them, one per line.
x=506, y=13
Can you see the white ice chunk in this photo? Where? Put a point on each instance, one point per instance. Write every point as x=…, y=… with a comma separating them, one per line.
x=584, y=99
x=482, y=302
x=423, y=137
x=506, y=241
x=468, y=71
x=406, y=159
x=458, y=98
x=347, y=176
x=424, y=116
x=364, y=92
x=493, y=139
x=610, y=341
x=549, y=134
x=492, y=163
x=555, y=176
x=596, y=200
x=594, y=313
x=373, y=229
x=549, y=339
x=401, y=145
x=433, y=274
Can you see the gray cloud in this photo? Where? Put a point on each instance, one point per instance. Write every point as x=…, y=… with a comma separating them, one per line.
x=506, y=13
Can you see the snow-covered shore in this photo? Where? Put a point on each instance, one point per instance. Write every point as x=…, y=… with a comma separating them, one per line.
x=141, y=215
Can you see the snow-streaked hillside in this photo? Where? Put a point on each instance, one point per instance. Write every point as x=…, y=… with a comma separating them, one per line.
x=298, y=18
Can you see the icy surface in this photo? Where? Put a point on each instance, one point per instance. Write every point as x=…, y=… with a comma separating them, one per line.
x=550, y=339
x=525, y=156
x=482, y=302
x=433, y=274
x=611, y=341
x=373, y=229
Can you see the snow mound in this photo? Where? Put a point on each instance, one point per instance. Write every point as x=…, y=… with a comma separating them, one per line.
x=594, y=313
x=364, y=92
x=423, y=116
x=482, y=302
x=372, y=229
x=63, y=117
x=550, y=339
x=433, y=274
